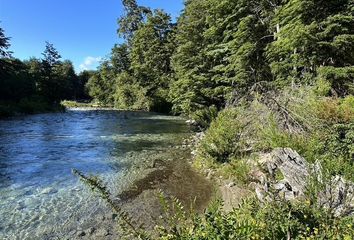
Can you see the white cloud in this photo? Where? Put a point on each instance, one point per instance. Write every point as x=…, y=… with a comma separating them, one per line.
x=90, y=63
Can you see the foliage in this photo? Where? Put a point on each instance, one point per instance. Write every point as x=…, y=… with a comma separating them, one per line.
x=129, y=94
x=101, y=86
x=36, y=85
x=134, y=16
x=237, y=170
x=336, y=110
x=277, y=219
x=4, y=44
x=138, y=74
x=124, y=221
x=224, y=139
x=204, y=117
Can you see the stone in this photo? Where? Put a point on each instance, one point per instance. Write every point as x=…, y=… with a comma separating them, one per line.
x=258, y=176
x=81, y=234
x=338, y=195
x=293, y=167
x=230, y=184
x=191, y=122
x=102, y=233
x=91, y=230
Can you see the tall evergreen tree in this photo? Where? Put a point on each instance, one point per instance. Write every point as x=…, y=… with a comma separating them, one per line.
x=4, y=44
x=189, y=60
x=312, y=37
x=151, y=51
x=133, y=17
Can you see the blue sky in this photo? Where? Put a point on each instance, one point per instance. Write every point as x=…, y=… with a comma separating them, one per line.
x=83, y=31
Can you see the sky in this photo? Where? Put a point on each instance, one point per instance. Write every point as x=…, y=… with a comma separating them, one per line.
x=83, y=31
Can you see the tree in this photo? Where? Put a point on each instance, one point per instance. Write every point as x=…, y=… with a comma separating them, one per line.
x=312, y=35
x=221, y=46
x=51, y=55
x=102, y=85
x=189, y=59
x=81, y=92
x=64, y=81
x=120, y=58
x=134, y=16
x=58, y=77
x=15, y=81
x=151, y=51
x=4, y=44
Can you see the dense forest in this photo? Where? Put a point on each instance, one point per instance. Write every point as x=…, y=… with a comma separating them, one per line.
x=37, y=85
x=255, y=76
x=218, y=50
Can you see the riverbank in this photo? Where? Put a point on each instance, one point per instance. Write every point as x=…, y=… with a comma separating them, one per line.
x=169, y=172
x=26, y=107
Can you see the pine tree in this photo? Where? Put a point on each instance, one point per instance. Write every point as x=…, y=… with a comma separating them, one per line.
x=4, y=44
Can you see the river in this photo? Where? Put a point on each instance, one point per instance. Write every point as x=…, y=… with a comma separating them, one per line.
x=40, y=198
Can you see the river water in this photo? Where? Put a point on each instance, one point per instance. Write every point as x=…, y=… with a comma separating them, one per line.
x=40, y=198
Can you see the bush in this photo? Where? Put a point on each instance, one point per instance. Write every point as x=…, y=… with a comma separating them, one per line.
x=34, y=105
x=205, y=116
x=223, y=139
x=6, y=110
x=252, y=220
x=30, y=105
x=237, y=169
x=335, y=110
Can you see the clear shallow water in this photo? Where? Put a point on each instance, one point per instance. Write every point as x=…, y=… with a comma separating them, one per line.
x=39, y=196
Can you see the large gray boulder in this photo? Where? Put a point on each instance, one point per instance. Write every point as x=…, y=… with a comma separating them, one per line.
x=294, y=169
x=288, y=176
x=338, y=196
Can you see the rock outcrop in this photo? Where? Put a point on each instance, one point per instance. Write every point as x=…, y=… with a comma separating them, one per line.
x=288, y=175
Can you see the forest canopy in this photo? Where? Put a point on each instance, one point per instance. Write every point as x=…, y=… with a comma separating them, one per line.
x=37, y=85
x=218, y=50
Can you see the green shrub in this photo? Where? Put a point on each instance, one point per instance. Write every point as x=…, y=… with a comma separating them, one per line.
x=340, y=141
x=30, y=105
x=322, y=88
x=223, y=139
x=277, y=219
x=205, y=116
x=271, y=137
x=252, y=220
x=237, y=169
x=34, y=105
x=334, y=110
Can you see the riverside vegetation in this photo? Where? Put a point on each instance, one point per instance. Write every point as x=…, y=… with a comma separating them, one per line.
x=37, y=85
x=255, y=76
